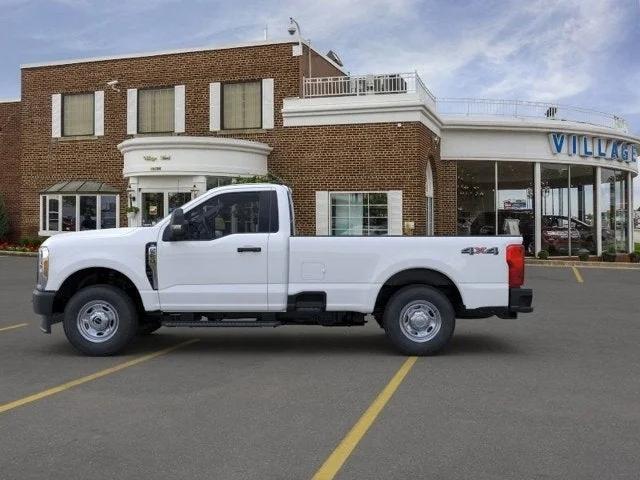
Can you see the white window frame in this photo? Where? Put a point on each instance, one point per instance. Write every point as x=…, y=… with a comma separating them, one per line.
x=179, y=110
x=267, y=100
x=260, y=103
x=330, y=214
x=84, y=135
x=58, y=196
x=57, y=115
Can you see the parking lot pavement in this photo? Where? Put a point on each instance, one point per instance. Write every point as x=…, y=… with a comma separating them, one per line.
x=553, y=394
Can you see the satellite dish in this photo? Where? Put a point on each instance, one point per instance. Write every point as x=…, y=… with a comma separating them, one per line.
x=334, y=56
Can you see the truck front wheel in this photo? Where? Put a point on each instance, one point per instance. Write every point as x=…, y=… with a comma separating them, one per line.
x=419, y=320
x=100, y=320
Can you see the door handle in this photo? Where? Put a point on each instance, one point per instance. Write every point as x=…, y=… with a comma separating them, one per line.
x=249, y=249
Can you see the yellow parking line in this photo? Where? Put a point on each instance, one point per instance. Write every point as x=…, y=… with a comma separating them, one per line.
x=94, y=376
x=576, y=272
x=11, y=327
x=335, y=461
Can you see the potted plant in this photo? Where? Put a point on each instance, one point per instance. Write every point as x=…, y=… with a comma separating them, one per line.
x=583, y=255
x=132, y=212
x=610, y=255
x=543, y=254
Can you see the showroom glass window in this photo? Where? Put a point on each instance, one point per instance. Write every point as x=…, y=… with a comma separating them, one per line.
x=568, y=209
x=554, y=199
x=614, y=194
x=476, y=198
x=242, y=105
x=359, y=214
x=78, y=114
x=582, y=208
x=77, y=212
x=515, y=203
x=156, y=110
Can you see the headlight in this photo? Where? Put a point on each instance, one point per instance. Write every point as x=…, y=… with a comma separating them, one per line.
x=43, y=268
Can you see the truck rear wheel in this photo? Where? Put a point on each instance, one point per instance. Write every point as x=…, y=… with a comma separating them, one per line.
x=419, y=320
x=100, y=320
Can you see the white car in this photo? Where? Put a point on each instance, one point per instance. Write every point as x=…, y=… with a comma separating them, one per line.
x=230, y=258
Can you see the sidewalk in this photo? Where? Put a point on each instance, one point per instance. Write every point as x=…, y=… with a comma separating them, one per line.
x=578, y=263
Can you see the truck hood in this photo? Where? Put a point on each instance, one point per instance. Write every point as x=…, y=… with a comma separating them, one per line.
x=101, y=237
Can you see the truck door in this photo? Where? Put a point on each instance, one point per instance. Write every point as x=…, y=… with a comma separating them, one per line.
x=221, y=264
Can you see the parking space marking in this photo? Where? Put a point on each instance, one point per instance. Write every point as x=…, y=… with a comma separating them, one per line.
x=11, y=327
x=576, y=272
x=94, y=376
x=334, y=463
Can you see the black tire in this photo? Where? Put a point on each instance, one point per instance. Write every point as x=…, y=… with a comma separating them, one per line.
x=98, y=304
x=423, y=300
x=148, y=327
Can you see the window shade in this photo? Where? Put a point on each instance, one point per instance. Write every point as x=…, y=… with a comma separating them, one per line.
x=77, y=114
x=242, y=105
x=156, y=109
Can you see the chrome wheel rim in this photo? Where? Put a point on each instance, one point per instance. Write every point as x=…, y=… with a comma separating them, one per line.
x=98, y=321
x=420, y=321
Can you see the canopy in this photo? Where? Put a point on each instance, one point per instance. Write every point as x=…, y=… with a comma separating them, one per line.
x=81, y=186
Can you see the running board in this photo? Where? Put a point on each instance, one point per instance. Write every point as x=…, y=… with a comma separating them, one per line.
x=220, y=324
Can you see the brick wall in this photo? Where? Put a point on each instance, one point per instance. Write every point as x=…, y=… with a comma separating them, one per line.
x=9, y=162
x=341, y=157
x=445, y=184
x=46, y=161
x=354, y=157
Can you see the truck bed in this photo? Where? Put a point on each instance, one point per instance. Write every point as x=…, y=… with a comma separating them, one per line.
x=351, y=269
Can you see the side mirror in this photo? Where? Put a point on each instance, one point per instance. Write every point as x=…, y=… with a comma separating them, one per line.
x=177, y=228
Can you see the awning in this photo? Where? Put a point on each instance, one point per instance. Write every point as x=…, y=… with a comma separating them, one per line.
x=79, y=187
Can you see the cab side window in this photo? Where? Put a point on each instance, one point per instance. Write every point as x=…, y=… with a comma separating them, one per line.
x=230, y=213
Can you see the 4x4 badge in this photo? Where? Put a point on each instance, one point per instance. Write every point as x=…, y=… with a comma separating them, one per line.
x=480, y=250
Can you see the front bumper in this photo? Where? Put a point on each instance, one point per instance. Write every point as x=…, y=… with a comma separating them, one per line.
x=43, y=306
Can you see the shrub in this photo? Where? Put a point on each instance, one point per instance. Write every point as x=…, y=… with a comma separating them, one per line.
x=4, y=220
x=610, y=255
x=583, y=254
x=634, y=257
x=31, y=241
x=268, y=178
x=543, y=254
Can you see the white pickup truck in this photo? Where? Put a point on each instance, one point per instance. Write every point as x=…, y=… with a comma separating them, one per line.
x=230, y=258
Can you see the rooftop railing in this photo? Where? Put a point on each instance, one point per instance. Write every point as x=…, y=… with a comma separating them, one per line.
x=399, y=83
x=357, y=85
x=478, y=107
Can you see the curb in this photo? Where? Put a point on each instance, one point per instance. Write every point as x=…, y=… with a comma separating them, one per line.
x=578, y=263
x=9, y=253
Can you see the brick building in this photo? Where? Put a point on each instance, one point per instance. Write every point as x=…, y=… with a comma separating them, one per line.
x=364, y=155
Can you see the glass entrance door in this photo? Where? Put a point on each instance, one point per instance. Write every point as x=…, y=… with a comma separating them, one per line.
x=156, y=205
x=176, y=200
x=152, y=208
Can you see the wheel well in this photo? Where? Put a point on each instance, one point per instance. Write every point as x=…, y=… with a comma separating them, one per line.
x=417, y=276
x=95, y=276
